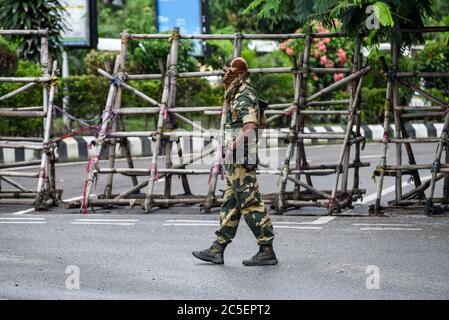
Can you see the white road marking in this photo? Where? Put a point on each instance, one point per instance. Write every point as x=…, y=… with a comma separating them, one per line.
x=320, y=220
x=24, y=211
x=107, y=220
x=22, y=222
x=77, y=198
x=102, y=223
x=371, y=156
x=197, y=221
x=192, y=224
x=384, y=224
x=302, y=228
x=392, y=229
x=388, y=190
x=22, y=218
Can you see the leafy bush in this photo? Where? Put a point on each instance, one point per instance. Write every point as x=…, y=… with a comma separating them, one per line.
x=34, y=14
x=99, y=59
x=8, y=58
x=434, y=58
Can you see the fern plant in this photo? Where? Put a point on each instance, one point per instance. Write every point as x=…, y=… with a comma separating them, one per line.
x=34, y=14
x=391, y=14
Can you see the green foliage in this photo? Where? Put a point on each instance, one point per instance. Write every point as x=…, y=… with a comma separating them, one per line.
x=30, y=97
x=99, y=59
x=34, y=14
x=373, y=101
x=434, y=58
x=392, y=14
x=8, y=58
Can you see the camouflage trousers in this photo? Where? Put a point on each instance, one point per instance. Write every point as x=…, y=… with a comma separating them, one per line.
x=242, y=197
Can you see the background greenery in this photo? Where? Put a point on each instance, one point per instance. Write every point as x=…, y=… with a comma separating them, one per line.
x=87, y=91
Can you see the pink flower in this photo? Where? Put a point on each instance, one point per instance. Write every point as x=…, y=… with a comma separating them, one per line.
x=341, y=55
x=326, y=40
x=323, y=60
x=321, y=29
x=283, y=45
x=338, y=76
x=290, y=51
x=322, y=47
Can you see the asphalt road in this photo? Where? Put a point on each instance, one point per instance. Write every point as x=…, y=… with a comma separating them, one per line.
x=124, y=254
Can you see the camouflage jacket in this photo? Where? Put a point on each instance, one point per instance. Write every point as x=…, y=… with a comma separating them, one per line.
x=243, y=107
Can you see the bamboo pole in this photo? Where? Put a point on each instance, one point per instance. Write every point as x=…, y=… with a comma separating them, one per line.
x=114, y=124
x=344, y=151
x=130, y=88
x=99, y=141
x=436, y=166
x=218, y=161
x=397, y=119
x=15, y=184
x=23, y=114
x=385, y=142
x=44, y=184
x=24, y=32
x=19, y=174
x=357, y=114
x=178, y=166
x=25, y=79
x=21, y=145
x=17, y=91
x=164, y=108
x=299, y=99
x=327, y=89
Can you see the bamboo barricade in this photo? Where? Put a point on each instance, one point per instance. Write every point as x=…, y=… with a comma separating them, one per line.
x=422, y=196
x=45, y=194
x=304, y=194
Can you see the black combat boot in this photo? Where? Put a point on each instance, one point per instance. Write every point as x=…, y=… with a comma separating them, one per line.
x=214, y=254
x=264, y=257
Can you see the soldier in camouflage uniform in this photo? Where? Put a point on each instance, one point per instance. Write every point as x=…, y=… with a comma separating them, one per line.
x=241, y=194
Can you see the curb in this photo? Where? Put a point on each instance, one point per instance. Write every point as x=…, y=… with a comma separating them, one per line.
x=75, y=148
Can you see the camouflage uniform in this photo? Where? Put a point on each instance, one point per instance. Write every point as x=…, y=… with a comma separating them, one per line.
x=241, y=194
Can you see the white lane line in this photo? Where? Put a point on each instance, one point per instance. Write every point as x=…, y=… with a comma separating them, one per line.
x=302, y=228
x=388, y=190
x=103, y=223
x=77, y=198
x=192, y=224
x=24, y=211
x=21, y=218
x=384, y=224
x=321, y=220
x=22, y=222
x=106, y=220
x=195, y=221
x=371, y=156
x=392, y=229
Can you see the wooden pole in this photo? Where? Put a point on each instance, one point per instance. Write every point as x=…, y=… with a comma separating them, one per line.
x=99, y=141
x=293, y=135
x=163, y=113
x=218, y=162
x=117, y=104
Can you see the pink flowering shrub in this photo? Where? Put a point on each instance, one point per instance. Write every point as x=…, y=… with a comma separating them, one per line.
x=324, y=53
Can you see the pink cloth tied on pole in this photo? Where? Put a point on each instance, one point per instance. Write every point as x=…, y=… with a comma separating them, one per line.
x=154, y=171
x=216, y=169
x=164, y=111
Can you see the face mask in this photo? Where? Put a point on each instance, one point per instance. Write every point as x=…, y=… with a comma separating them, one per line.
x=229, y=76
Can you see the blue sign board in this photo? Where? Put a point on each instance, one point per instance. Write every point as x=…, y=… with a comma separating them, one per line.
x=185, y=14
